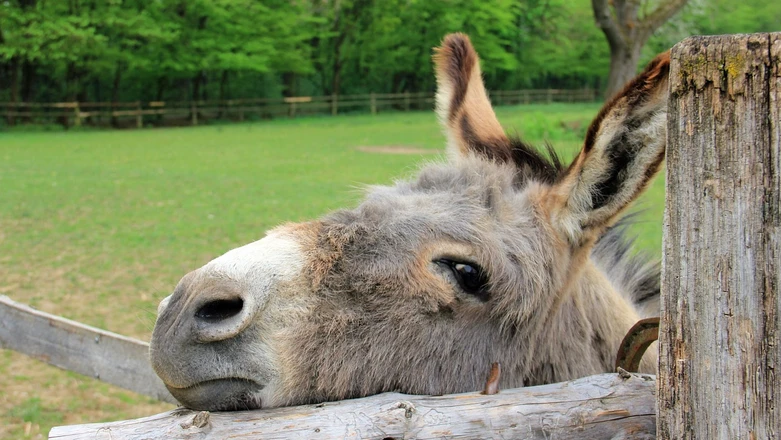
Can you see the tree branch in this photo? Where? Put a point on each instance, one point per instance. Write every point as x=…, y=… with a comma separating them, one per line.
x=660, y=15
x=607, y=23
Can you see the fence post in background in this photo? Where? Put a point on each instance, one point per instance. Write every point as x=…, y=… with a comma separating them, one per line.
x=406, y=101
x=139, y=116
x=9, y=116
x=194, y=112
x=76, y=115
x=720, y=335
x=373, y=103
x=334, y=104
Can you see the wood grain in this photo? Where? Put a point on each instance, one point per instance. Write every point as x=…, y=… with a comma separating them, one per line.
x=719, y=335
x=73, y=346
x=596, y=407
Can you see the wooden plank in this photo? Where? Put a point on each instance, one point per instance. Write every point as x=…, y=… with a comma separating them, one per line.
x=720, y=335
x=596, y=407
x=73, y=346
x=297, y=99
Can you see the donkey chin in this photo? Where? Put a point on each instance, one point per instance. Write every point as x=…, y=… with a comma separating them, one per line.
x=230, y=394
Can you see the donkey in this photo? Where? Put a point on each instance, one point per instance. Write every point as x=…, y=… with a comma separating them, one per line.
x=501, y=254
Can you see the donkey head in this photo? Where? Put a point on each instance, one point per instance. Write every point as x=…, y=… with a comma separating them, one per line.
x=500, y=255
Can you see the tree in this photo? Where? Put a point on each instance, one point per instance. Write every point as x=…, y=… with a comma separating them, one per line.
x=627, y=25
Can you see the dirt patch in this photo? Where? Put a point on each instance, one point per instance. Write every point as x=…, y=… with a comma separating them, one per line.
x=397, y=149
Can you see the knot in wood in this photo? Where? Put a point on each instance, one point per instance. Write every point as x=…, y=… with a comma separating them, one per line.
x=200, y=420
x=408, y=408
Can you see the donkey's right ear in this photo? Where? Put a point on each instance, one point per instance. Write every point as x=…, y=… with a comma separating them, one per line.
x=463, y=106
x=623, y=150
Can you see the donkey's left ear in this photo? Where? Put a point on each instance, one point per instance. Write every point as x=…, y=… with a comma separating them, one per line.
x=462, y=102
x=623, y=150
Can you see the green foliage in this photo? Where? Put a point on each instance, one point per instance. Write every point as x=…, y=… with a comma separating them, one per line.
x=715, y=17
x=102, y=50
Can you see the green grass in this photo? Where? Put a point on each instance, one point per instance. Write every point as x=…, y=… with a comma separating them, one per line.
x=98, y=226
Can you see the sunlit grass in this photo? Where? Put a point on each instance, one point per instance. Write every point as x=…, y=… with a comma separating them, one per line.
x=98, y=226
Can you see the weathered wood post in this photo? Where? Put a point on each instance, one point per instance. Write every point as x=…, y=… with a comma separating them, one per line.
x=194, y=112
x=76, y=114
x=139, y=115
x=720, y=340
x=373, y=103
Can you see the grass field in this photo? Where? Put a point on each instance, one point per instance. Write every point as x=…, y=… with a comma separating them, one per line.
x=98, y=226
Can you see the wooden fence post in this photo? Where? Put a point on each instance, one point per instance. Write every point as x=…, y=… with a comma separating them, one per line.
x=139, y=116
x=373, y=103
x=76, y=115
x=194, y=112
x=720, y=339
x=406, y=101
x=334, y=104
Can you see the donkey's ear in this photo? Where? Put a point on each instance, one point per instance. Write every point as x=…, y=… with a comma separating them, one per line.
x=623, y=150
x=462, y=102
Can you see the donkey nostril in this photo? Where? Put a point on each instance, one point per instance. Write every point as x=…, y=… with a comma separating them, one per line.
x=220, y=309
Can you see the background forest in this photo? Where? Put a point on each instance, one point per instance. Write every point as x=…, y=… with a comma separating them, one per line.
x=153, y=50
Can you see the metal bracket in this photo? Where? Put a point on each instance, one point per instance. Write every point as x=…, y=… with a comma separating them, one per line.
x=636, y=341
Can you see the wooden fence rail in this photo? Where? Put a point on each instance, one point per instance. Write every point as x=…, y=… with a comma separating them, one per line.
x=77, y=347
x=606, y=406
x=137, y=113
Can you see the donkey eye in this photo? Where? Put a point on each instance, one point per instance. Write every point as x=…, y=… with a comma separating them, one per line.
x=470, y=277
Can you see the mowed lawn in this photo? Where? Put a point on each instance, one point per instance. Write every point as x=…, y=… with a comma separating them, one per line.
x=98, y=226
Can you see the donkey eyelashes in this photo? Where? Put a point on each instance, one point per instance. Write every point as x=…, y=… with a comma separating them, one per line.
x=470, y=277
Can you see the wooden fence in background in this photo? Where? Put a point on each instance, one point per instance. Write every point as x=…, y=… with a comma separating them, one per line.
x=138, y=113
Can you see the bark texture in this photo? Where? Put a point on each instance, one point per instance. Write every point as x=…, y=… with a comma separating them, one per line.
x=627, y=25
x=719, y=336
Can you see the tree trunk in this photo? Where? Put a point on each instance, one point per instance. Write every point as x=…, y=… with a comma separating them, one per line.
x=224, y=85
x=627, y=33
x=196, y=96
x=720, y=335
x=623, y=67
x=289, y=84
x=223, y=93
x=336, y=80
x=162, y=84
x=13, y=67
x=28, y=81
x=115, y=93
